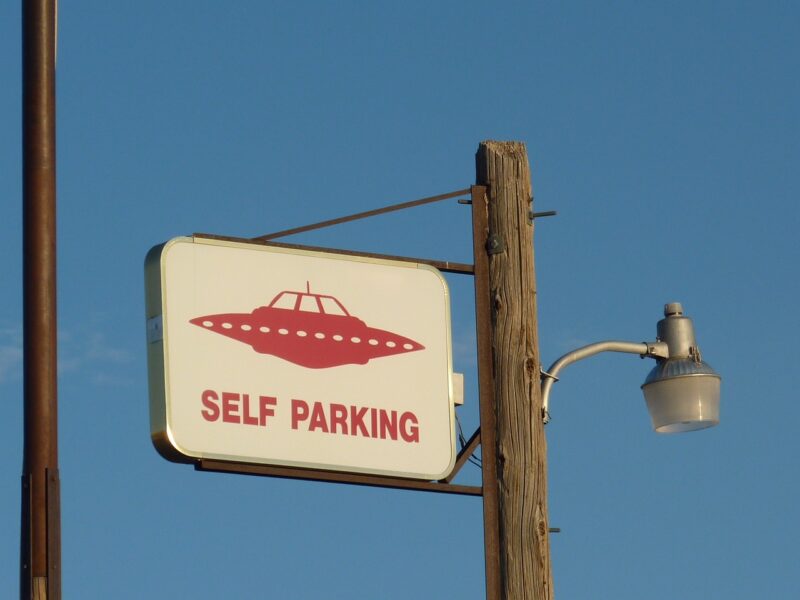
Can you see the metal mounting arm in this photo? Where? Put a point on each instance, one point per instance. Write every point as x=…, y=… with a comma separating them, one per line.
x=643, y=349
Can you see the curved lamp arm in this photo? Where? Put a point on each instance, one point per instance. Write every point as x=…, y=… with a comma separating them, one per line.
x=643, y=349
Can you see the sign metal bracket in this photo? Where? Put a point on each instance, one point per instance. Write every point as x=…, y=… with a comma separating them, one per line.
x=445, y=486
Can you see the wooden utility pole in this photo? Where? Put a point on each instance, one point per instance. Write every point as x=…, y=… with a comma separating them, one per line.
x=40, y=543
x=519, y=448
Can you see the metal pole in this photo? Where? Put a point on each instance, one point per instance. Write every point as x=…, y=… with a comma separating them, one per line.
x=40, y=543
x=483, y=323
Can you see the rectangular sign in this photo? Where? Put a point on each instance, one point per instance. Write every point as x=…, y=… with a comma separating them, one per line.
x=278, y=356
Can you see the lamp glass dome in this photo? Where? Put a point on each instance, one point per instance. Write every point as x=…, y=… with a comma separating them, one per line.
x=683, y=403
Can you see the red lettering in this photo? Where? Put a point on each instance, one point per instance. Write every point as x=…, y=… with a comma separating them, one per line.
x=332, y=418
x=357, y=421
x=318, y=418
x=247, y=418
x=349, y=420
x=388, y=424
x=338, y=417
x=264, y=410
x=211, y=411
x=230, y=407
x=409, y=427
x=299, y=412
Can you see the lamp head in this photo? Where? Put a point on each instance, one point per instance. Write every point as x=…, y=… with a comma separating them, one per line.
x=681, y=392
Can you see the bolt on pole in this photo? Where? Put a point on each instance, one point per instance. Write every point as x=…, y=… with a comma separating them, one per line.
x=40, y=541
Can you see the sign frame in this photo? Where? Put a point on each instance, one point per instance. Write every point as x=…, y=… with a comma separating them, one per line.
x=162, y=432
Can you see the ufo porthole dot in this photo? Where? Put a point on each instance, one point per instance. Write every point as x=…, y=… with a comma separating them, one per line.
x=207, y=323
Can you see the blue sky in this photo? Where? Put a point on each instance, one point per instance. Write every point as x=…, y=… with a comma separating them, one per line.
x=665, y=135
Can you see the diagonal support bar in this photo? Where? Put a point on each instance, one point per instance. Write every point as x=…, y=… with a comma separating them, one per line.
x=361, y=215
x=463, y=456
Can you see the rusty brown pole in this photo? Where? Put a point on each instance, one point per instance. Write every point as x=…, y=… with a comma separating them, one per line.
x=40, y=543
x=483, y=323
x=517, y=455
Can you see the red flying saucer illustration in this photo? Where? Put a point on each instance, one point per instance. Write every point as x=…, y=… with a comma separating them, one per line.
x=310, y=330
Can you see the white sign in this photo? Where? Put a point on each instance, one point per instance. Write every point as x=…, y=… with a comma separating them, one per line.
x=267, y=355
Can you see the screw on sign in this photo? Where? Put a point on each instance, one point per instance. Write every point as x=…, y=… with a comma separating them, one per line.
x=310, y=330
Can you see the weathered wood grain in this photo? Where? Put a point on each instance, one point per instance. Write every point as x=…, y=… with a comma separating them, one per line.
x=520, y=446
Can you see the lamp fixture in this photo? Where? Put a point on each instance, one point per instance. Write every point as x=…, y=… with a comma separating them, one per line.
x=681, y=392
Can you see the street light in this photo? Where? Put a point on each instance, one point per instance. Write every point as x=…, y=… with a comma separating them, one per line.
x=681, y=391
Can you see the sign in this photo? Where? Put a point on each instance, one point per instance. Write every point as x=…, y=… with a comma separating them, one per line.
x=278, y=356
